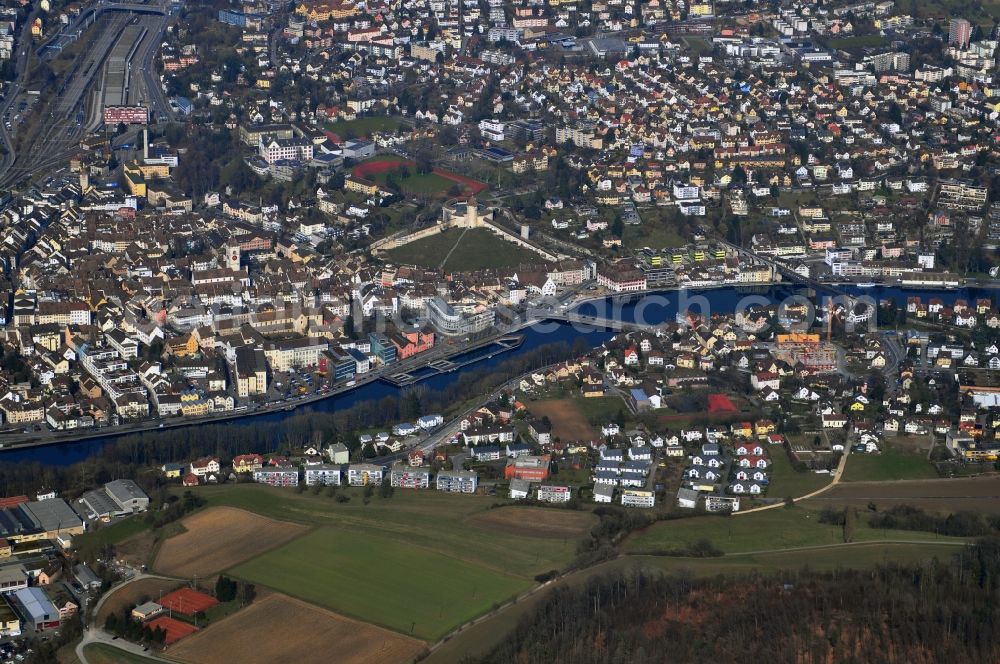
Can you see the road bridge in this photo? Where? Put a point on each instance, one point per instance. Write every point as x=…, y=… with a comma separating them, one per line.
x=850, y=300
x=597, y=321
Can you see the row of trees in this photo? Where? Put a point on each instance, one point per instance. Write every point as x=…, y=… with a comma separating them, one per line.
x=228, y=590
x=127, y=627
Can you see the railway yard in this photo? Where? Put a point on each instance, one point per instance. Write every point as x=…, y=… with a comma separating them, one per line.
x=117, y=46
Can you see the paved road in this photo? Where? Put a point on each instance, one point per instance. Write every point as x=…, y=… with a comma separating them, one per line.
x=840, y=545
x=836, y=480
x=95, y=633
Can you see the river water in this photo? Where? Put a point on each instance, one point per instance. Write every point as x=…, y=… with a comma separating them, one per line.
x=651, y=310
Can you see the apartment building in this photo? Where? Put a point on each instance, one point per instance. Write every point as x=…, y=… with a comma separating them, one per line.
x=548, y=493
x=638, y=498
x=277, y=476
x=410, y=478
x=457, y=481
x=323, y=475
x=363, y=474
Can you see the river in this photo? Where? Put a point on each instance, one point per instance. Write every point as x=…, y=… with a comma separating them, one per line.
x=652, y=309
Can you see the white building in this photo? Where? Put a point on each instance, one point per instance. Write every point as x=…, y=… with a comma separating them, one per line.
x=363, y=474
x=638, y=498
x=323, y=475
x=553, y=494
x=272, y=149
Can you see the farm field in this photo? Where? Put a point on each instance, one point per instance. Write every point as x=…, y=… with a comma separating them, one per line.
x=399, y=585
x=786, y=481
x=936, y=495
x=134, y=593
x=308, y=634
x=101, y=653
x=890, y=464
x=437, y=520
x=781, y=528
x=474, y=249
x=218, y=538
x=536, y=522
x=567, y=417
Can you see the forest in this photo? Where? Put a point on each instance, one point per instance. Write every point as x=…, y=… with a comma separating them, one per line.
x=127, y=456
x=943, y=611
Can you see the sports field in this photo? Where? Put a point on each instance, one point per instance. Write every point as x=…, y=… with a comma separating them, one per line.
x=464, y=249
x=435, y=182
x=397, y=584
x=130, y=594
x=175, y=629
x=217, y=538
x=187, y=601
x=307, y=634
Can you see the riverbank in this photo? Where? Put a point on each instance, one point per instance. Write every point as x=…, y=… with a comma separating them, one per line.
x=538, y=330
x=417, y=363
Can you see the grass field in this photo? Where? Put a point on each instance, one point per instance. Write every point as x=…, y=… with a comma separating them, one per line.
x=536, y=521
x=938, y=495
x=785, y=481
x=101, y=653
x=397, y=584
x=857, y=44
x=363, y=126
x=218, y=538
x=655, y=235
x=416, y=183
x=426, y=183
x=567, y=417
x=113, y=533
x=890, y=464
x=474, y=249
x=854, y=556
x=308, y=634
x=438, y=521
x=769, y=530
